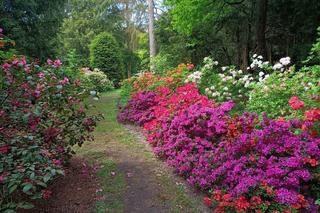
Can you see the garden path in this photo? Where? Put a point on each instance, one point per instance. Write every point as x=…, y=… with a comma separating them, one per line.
x=124, y=175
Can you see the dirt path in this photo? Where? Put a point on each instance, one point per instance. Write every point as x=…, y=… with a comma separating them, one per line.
x=128, y=179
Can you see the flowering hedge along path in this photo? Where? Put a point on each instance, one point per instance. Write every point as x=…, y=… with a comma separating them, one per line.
x=41, y=117
x=244, y=163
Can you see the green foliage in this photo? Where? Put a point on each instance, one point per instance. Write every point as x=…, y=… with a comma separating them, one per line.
x=131, y=62
x=38, y=131
x=85, y=20
x=314, y=55
x=106, y=55
x=273, y=94
x=163, y=63
x=71, y=66
x=97, y=81
x=33, y=25
x=227, y=30
x=6, y=49
x=126, y=90
x=173, y=48
x=143, y=51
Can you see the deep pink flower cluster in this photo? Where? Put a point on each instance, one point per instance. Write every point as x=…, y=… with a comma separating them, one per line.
x=273, y=155
x=138, y=109
x=41, y=119
x=249, y=164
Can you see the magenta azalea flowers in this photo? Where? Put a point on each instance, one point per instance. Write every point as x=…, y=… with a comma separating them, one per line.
x=244, y=163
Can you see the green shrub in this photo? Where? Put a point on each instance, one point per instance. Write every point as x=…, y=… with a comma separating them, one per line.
x=273, y=94
x=105, y=54
x=98, y=81
x=314, y=55
x=163, y=63
x=42, y=117
x=126, y=90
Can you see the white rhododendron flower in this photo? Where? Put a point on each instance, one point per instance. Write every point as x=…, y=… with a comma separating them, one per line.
x=285, y=61
x=277, y=66
x=93, y=93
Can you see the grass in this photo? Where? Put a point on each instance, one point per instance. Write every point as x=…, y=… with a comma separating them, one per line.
x=110, y=136
x=113, y=187
x=108, y=130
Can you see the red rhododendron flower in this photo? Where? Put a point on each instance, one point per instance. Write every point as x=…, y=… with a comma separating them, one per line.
x=2, y=179
x=242, y=204
x=57, y=162
x=312, y=115
x=41, y=75
x=207, y=201
x=77, y=82
x=295, y=103
x=64, y=81
x=46, y=194
x=33, y=122
x=226, y=197
x=301, y=203
x=255, y=201
x=51, y=133
x=57, y=63
x=4, y=149
x=190, y=66
x=49, y=62
x=312, y=162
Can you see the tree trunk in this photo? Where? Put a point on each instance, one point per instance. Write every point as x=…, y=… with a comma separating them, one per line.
x=128, y=15
x=152, y=41
x=261, y=27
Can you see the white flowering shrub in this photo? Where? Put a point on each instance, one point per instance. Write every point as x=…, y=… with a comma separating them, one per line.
x=258, y=63
x=208, y=64
x=96, y=80
x=194, y=77
x=272, y=94
x=230, y=83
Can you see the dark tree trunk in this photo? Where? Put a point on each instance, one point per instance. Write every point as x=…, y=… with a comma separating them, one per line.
x=239, y=47
x=261, y=27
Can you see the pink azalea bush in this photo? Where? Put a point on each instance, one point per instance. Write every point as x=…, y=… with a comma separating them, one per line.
x=244, y=164
x=138, y=108
x=41, y=117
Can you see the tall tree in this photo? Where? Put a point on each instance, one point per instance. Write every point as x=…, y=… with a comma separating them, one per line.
x=261, y=24
x=33, y=25
x=230, y=30
x=152, y=41
x=134, y=13
x=85, y=20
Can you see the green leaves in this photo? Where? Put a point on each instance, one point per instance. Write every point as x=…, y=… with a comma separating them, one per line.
x=38, y=130
x=105, y=55
x=12, y=188
x=27, y=188
x=25, y=205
